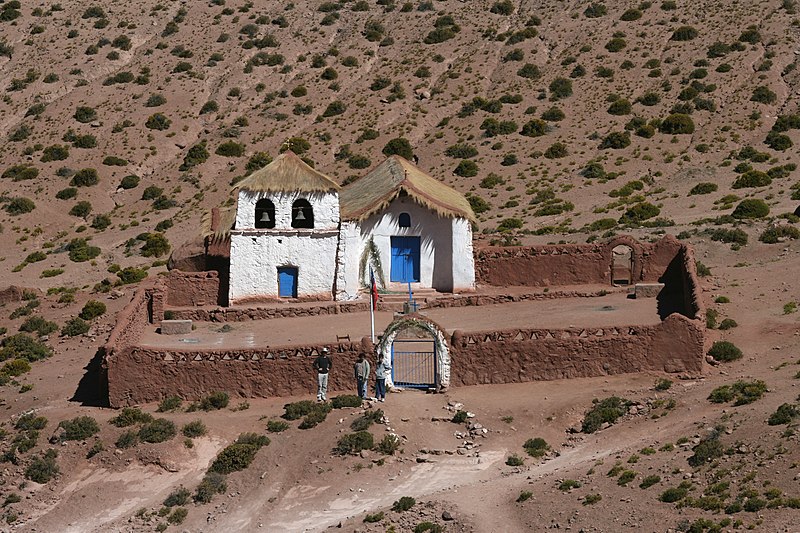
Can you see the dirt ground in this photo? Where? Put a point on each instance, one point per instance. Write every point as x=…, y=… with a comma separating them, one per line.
x=614, y=309
x=296, y=483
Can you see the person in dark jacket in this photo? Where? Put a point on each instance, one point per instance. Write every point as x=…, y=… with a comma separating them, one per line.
x=323, y=365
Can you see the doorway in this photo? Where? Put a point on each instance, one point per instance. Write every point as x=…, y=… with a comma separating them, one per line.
x=287, y=282
x=622, y=265
x=414, y=360
x=405, y=259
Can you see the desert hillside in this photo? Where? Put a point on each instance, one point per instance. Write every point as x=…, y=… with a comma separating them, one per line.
x=123, y=123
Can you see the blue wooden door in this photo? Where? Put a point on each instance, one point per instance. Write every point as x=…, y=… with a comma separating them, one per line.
x=405, y=259
x=287, y=282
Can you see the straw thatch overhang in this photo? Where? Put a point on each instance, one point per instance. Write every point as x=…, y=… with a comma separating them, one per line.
x=288, y=173
x=395, y=177
x=220, y=229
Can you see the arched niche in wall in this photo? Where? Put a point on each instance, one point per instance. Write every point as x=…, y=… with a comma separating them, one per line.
x=265, y=214
x=302, y=214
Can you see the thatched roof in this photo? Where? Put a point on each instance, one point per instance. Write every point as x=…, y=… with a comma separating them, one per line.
x=287, y=173
x=227, y=217
x=387, y=181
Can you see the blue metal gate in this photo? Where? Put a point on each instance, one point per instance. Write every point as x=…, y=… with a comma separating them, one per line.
x=414, y=363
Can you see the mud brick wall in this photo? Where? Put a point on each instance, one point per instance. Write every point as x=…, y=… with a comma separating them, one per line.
x=241, y=314
x=693, y=293
x=130, y=322
x=188, y=289
x=571, y=264
x=542, y=266
x=512, y=356
x=140, y=375
x=467, y=300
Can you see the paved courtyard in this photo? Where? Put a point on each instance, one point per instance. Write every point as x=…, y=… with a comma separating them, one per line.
x=613, y=309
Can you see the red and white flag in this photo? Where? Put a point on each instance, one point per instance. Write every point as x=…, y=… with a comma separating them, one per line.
x=373, y=288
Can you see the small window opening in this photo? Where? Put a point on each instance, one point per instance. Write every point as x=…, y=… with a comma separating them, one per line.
x=404, y=221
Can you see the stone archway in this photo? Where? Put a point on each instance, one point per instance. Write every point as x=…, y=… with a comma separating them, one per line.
x=416, y=321
x=633, y=256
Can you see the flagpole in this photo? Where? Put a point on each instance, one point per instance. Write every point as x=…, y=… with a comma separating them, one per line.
x=372, y=305
x=372, y=315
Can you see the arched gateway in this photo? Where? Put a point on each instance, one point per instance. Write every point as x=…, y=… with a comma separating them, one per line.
x=425, y=366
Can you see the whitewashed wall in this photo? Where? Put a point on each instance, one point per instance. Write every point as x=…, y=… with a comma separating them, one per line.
x=256, y=254
x=325, y=205
x=463, y=255
x=438, y=247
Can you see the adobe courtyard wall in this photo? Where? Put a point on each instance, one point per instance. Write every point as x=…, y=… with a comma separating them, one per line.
x=134, y=374
x=140, y=375
x=519, y=355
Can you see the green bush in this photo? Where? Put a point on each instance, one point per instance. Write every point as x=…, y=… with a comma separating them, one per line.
x=158, y=121
x=639, y=213
x=20, y=206
x=374, y=518
x=595, y=10
x=663, y=384
x=616, y=140
x=38, y=325
x=607, y=410
x=81, y=209
x=155, y=245
x=339, y=402
x=334, y=108
x=728, y=323
x=15, y=368
x=763, y=95
x=178, y=515
x=193, y=429
x=784, y=414
x=743, y=392
x=354, y=442
x=403, y=504
x=215, y=401
x=211, y=485
x=29, y=422
x=725, y=351
x=316, y=416
x=179, y=496
x=388, y=444
x=80, y=251
x=626, y=477
x=752, y=178
x=23, y=346
x=171, y=403
x=466, y=169
x=233, y=458
x=776, y=234
x=297, y=410
x=364, y=421
x=276, y=426
x=649, y=481
x=536, y=447
x=534, y=128
x=159, y=430
x=429, y=527
x=92, y=309
x=524, y=496
x=399, y=146
x=230, y=149
x=560, y=88
x=43, y=469
x=673, y=494
x=79, y=428
x=131, y=275
x=20, y=173
x=85, y=114
x=75, y=326
x=707, y=450
x=129, y=416
x=703, y=188
x=514, y=460
x=461, y=151
x=677, y=124
x=684, y=33
x=197, y=155
x=114, y=161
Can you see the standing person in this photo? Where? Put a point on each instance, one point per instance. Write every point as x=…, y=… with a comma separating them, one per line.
x=323, y=365
x=381, y=373
x=361, y=371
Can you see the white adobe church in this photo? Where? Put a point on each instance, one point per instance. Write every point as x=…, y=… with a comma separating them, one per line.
x=297, y=234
